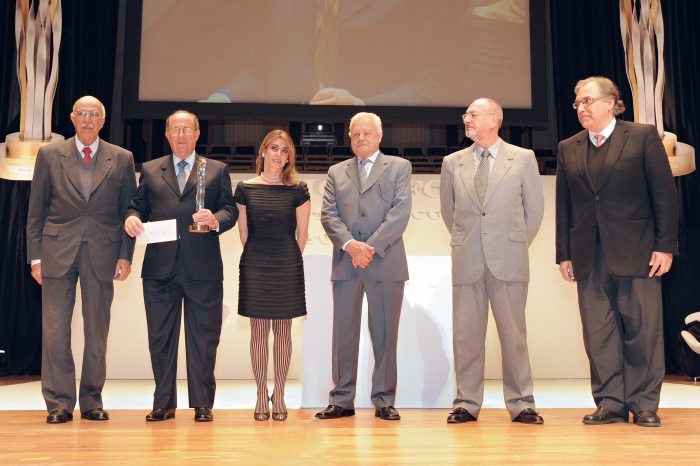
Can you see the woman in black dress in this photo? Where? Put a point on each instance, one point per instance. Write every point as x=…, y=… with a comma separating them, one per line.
x=273, y=222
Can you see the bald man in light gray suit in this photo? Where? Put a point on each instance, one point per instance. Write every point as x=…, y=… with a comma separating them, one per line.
x=366, y=207
x=492, y=204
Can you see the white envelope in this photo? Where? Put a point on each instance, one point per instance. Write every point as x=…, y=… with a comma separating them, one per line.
x=158, y=232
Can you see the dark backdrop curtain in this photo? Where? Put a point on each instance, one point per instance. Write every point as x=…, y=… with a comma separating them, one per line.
x=86, y=67
x=586, y=41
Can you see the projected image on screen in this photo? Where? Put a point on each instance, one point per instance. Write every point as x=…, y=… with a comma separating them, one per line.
x=336, y=52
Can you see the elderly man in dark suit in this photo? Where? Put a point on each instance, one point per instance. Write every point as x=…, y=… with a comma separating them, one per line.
x=80, y=192
x=616, y=225
x=366, y=207
x=189, y=269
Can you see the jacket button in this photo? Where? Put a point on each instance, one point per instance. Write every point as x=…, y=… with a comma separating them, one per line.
x=596, y=198
x=483, y=214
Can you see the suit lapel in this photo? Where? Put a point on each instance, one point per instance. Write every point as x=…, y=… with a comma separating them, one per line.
x=69, y=162
x=465, y=171
x=501, y=166
x=617, y=143
x=103, y=164
x=378, y=167
x=168, y=174
x=351, y=170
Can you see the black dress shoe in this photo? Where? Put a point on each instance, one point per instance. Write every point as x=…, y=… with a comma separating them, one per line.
x=646, y=419
x=529, y=416
x=388, y=413
x=203, y=415
x=97, y=414
x=335, y=412
x=460, y=415
x=59, y=417
x=603, y=416
x=160, y=414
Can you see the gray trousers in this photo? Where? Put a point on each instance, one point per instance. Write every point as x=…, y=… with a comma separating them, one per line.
x=57, y=366
x=623, y=337
x=470, y=307
x=384, y=300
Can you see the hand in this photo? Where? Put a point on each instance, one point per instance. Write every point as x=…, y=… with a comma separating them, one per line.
x=334, y=96
x=36, y=272
x=122, y=270
x=660, y=263
x=361, y=253
x=205, y=217
x=567, y=271
x=133, y=226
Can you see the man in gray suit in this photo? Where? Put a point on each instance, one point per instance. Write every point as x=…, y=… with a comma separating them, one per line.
x=492, y=203
x=80, y=191
x=366, y=207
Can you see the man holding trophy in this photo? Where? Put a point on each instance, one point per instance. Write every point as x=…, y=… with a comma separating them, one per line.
x=196, y=193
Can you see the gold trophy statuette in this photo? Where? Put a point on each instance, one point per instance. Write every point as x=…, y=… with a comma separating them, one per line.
x=199, y=197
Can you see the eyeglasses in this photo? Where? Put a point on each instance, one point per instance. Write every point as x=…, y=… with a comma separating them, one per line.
x=586, y=102
x=86, y=113
x=185, y=131
x=473, y=115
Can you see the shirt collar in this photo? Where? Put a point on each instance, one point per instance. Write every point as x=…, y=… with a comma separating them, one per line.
x=372, y=158
x=606, y=132
x=189, y=160
x=93, y=147
x=493, y=149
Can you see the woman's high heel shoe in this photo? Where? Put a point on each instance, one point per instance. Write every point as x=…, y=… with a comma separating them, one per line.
x=277, y=416
x=263, y=415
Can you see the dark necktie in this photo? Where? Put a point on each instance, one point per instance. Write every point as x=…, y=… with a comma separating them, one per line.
x=87, y=151
x=181, y=175
x=481, y=177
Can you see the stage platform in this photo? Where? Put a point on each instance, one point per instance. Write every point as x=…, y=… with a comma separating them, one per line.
x=421, y=437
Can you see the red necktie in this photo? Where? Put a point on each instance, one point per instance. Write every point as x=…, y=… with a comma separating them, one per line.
x=87, y=151
x=599, y=139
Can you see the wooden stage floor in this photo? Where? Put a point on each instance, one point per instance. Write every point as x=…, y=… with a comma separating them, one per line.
x=421, y=437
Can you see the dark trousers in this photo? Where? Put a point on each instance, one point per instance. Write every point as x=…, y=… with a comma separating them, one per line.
x=57, y=366
x=203, y=313
x=623, y=337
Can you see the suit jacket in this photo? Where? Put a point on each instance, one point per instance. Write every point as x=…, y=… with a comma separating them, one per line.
x=59, y=214
x=500, y=231
x=634, y=205
x=158, y=198
x=377, y=215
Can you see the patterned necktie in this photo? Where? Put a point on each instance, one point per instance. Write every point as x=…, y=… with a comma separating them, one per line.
x=481, y=177
x=181, y=175
x=599, y=139
x=363, y=172
x=87, y=151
